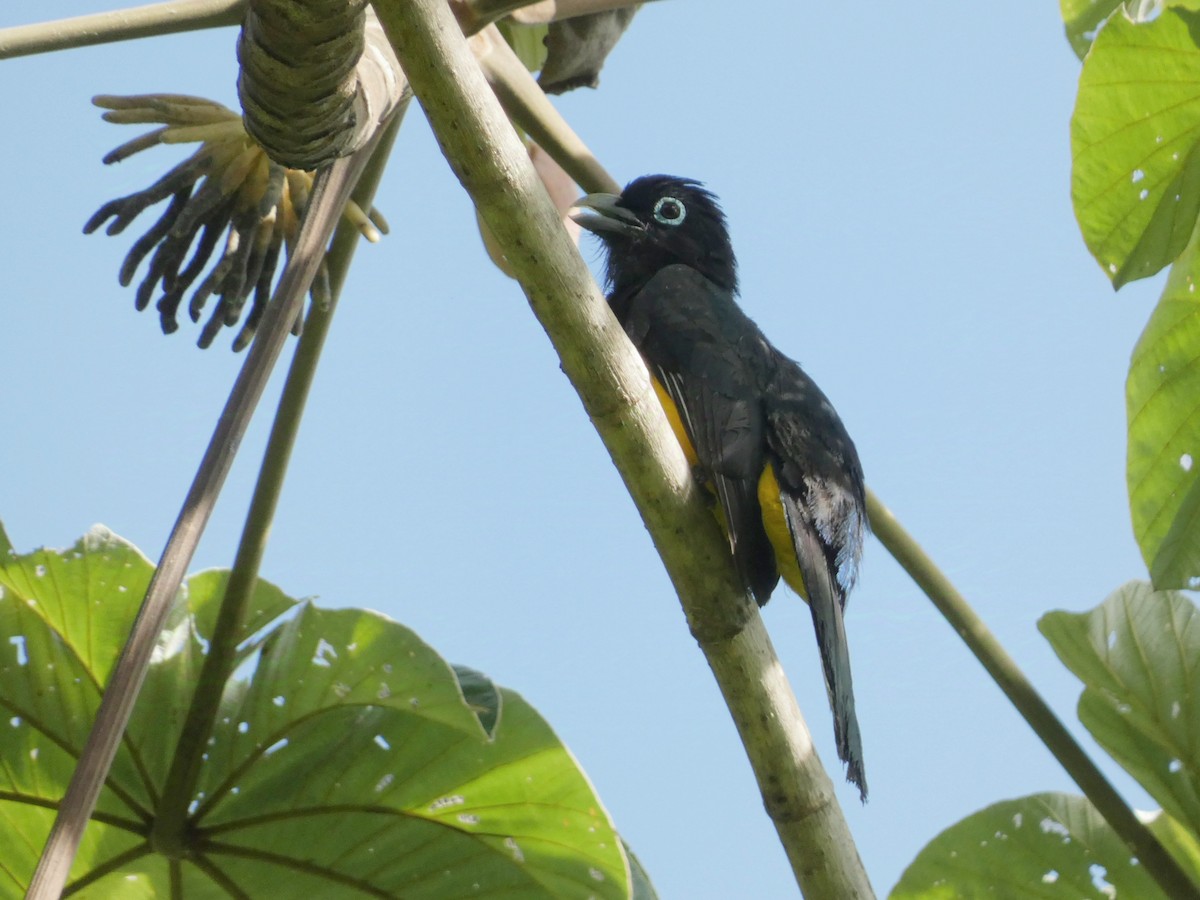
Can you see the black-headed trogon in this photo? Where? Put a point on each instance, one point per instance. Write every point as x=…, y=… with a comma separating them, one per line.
x=757, y=430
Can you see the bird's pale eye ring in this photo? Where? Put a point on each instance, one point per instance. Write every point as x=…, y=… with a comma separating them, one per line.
x=669, y=211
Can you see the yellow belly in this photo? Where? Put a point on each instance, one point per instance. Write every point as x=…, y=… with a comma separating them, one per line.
x=672, y=412
x=775, y=523
x=774, y=519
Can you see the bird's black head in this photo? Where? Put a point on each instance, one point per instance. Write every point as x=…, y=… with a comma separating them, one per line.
x=658, y=221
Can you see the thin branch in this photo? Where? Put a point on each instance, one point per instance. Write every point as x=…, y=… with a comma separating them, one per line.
x=493, y=166
x=221, y=659
x=126, y=680
x=119, y=25
x=530, y=109
x=1024, y=696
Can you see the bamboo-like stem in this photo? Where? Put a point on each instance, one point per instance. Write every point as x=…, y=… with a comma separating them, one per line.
x=169, y=833
x=119, y=25
x=1158, y=863
x=529, y=107
x=612, y=382
x=130, y=671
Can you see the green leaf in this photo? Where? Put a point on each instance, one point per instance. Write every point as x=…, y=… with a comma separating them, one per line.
x=1082, y=19
x=1135, y=141
x=481, y=695
x=1182, y=844
x=1046, y=846
x=1162, y=397
x=205, y=591
x=1138, y=655
x=349, y=760
x=642, y=888
x=64, y=615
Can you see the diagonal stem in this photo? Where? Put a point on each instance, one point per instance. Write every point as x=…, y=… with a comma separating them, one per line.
x=119, y=25
x=612, y=382
x=529, y=108
x=169, y=833
x=130, y=671
x=1029, y=703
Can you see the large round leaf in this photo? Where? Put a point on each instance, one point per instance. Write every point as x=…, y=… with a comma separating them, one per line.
x=351, y=760
x=1135, y=139
x=1082, y=20
x=1181, y=843
x=1162, y=398
x=1138, y=655
x=1049, y=846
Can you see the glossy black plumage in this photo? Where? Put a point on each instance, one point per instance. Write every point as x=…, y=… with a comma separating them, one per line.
x=744, y=408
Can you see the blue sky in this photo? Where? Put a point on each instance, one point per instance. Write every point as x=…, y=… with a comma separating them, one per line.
x=898, y=192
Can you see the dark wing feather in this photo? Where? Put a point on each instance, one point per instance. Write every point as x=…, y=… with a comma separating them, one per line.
x=687, y=329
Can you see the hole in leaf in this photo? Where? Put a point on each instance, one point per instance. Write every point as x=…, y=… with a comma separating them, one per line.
x=324, y=653
x=1050, y=826
x=1099, y=881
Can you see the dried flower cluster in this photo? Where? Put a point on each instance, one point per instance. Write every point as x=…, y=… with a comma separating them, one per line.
x=228, y=192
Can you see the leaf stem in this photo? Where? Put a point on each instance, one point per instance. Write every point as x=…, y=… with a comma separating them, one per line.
x=1029, y=703
x=110, y=865
x=119, y=25
x=123, y=686
x=170, y=827
x=531, y=110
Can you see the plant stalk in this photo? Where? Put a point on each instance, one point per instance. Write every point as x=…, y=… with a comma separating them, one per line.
x=529, y=108
x=1024, y=696
x=169, y=833
x=123, y=686
x=119, y=25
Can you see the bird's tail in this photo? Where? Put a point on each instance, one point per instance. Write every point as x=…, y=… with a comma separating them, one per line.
x=825, y=599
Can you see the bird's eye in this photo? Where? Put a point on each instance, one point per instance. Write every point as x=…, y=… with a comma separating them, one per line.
x=669, y=211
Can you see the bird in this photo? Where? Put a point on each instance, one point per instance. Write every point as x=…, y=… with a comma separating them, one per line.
x=760, y=435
